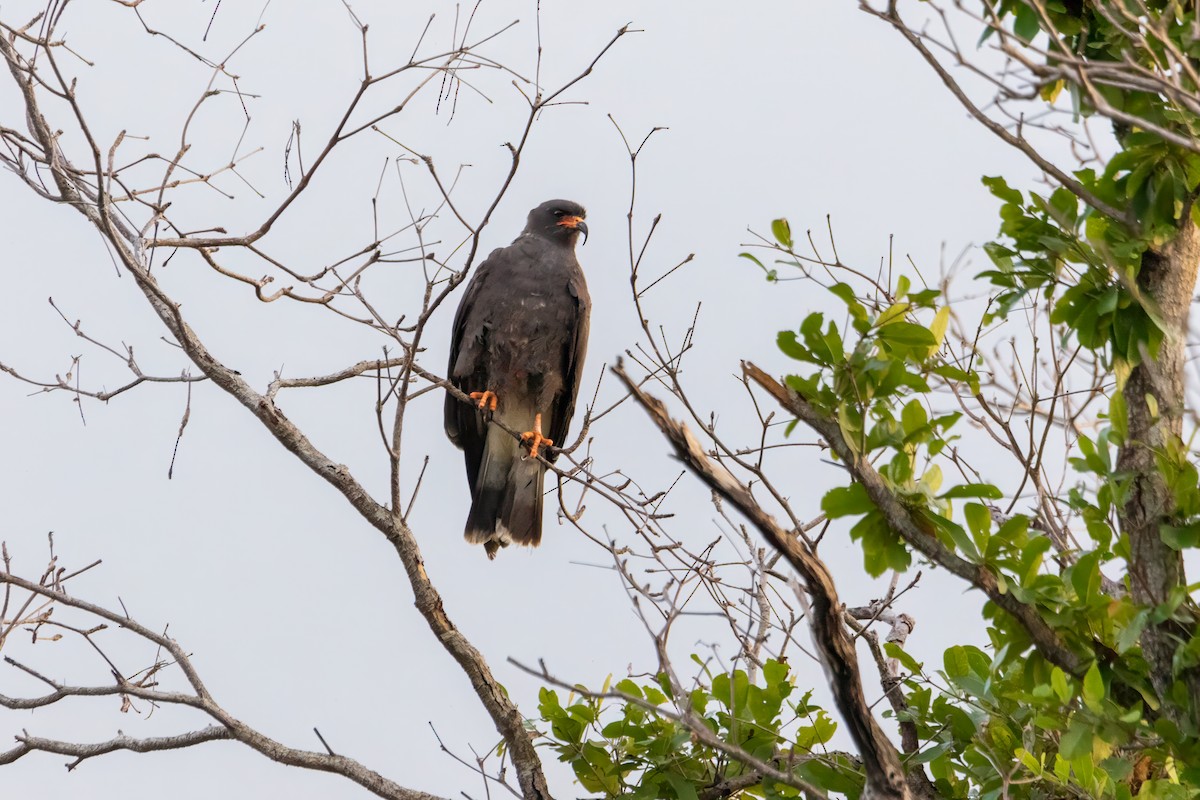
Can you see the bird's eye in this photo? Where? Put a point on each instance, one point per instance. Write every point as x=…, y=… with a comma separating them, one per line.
x=558, y=213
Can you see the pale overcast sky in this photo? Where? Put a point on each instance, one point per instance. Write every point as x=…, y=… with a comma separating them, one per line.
x=297, y=613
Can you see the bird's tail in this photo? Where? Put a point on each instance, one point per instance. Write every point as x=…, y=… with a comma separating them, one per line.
x=507, y=506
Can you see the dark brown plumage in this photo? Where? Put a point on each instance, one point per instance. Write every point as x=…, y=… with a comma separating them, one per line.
x=519, y=336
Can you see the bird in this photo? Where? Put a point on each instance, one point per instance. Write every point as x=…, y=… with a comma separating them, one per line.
x=517, y=350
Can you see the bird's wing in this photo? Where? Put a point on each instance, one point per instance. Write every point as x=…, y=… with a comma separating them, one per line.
x=465, y=426
x=574, y=349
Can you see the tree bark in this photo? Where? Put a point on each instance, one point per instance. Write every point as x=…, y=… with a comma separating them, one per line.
x=1167, y=281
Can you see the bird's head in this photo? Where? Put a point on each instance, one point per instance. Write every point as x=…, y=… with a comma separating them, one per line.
x=558, y=221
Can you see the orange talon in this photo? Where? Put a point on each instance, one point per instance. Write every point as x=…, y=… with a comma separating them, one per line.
x=534, y=437
x=487, y=400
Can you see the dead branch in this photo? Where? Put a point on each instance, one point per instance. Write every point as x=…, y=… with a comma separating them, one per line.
x=227, y=726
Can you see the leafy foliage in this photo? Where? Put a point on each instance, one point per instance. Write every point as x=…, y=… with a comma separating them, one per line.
x=1009, y=723
x=627, y=749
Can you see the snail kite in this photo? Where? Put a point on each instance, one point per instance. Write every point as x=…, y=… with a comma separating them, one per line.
x=517, y=349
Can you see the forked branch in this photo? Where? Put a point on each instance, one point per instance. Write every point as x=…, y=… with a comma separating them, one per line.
x=143, y=685
x=901, y=520
x=881, y=761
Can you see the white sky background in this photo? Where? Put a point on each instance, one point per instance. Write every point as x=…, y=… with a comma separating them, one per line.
x=297, y=612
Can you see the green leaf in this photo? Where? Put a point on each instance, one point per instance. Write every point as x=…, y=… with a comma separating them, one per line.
x=846, y=292
x=820, y=732
x=782, y=231
x=953, y=534
x=907, y=334
x=684, y=789
x=654, y=696
x=883, y=550
x=1118, y=414
x=891, y=314
x=897, y=652
x=809, y=388
x=951, y=373
x=731, y=693
x=913, y=417
x=1093, y=689
x=1032, y=557
x=956, y=662
x=1132, y=632
x=1062, y=768
x=1085, y=578
x=775, y=672
x=1050, y=91
x=941, y=320
x=925, y=756
x=596, y=770
x=583, y=712
x=833, y=344
x=925, y=297
x=846, y=501
x=548, y=704
x=984, y=490
x=850, y=421
x=932, y=479
x=1180, y=537
x=1000, y=188
x=792, y=348
x=979, y=520
x=1058, y=682
x=1108, y=301
x=1028, y=761
x=810, y=329
x=1077, y=741
x=751, y=258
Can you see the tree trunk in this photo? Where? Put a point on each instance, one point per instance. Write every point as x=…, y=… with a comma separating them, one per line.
x=1167, y=281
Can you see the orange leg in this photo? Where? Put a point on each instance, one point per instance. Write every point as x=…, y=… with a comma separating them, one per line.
x=534, y=437
x=487, y=400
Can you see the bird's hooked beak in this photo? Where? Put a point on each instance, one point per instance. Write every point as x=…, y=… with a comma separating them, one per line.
x=575, y=223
